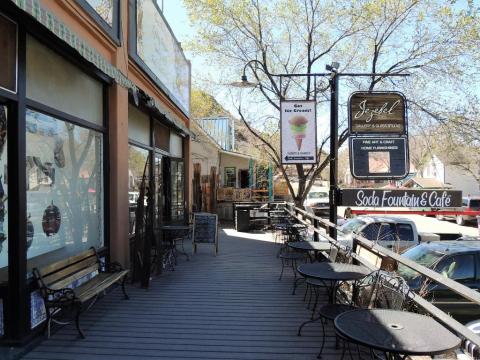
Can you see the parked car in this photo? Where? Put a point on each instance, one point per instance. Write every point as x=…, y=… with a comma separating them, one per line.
x=458, y=260
x=470, y=203
x=395, y=233
x=318, y=202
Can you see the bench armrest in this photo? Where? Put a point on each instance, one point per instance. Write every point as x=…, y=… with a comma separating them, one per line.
x=112, y=267
x=58, y=298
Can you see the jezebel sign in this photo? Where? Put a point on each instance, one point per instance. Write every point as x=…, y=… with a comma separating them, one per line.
x=377, y=113
x=298, y=132
x=401, y=198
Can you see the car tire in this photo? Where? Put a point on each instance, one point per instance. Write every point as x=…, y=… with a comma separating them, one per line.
x=460, y=220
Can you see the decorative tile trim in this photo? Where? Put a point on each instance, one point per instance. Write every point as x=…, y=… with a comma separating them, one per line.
x=62, y=31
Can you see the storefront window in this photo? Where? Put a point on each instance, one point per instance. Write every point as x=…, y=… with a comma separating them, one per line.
x=8, y=54
x=65, y=206
x=138, y=125
x=137, y=173
x=3, y=196
x=230, y=177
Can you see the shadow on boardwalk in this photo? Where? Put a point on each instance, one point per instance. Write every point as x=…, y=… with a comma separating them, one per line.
x=227, y=307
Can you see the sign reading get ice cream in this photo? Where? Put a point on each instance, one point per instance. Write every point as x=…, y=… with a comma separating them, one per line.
x=298, y=131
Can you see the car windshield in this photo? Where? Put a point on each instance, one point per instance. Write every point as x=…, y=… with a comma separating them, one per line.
x=317, y=195
x=352, y=225
x=422, y=255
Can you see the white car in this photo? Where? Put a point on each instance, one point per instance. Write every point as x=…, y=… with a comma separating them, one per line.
x=317, y=198
x=395, y=233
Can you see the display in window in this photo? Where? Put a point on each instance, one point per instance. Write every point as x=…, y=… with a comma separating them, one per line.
x=58, y=154
x=64, y=171
x=30, y=231
x=51, y=220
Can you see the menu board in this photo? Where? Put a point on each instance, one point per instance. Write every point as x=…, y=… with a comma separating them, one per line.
x=205, y=230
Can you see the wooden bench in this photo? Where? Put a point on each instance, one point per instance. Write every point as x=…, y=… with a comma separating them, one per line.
x=55, y=284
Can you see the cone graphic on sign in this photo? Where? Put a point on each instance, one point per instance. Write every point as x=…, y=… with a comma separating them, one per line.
x=298, y=126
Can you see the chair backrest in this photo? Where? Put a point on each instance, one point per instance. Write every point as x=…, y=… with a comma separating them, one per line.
x=363, y=291
x=392, y=292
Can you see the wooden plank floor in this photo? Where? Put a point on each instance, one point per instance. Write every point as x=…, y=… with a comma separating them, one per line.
x=227, y=307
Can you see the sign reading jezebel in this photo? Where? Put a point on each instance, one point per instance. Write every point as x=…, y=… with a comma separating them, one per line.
x=298, y=132
x=377, y=113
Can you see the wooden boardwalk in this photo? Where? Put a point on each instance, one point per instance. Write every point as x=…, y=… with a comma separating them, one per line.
x=227, y=307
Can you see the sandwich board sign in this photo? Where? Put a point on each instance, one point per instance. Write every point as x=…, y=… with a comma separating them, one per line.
x=379, y=157
x=298, y=132
x=205, y=230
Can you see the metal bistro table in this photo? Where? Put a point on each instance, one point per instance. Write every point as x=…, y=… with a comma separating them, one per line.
x=397, y=334
x=310, y=246
x=333, y=274
x=173, y=234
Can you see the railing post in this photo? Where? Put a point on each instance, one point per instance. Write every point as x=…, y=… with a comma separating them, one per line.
x=315, y=234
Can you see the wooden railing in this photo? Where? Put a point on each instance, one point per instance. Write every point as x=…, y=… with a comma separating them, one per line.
x=318, y=225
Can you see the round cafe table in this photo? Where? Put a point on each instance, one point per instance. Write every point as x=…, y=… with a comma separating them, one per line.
x=310, y=246
x=396, y=333
x=333, y=274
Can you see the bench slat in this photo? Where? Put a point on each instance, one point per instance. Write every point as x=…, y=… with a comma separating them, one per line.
x=98, y=284
x=70, y=270
x=49, y=269
x=73, y=277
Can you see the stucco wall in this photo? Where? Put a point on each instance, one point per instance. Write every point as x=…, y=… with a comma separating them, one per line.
x=227, y=160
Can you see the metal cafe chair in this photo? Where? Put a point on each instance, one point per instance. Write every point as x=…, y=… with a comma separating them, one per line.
x=314, y=285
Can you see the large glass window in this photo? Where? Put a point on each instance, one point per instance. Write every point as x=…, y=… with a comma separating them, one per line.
x=158, y=51
x=8, y=54
x=65, y=206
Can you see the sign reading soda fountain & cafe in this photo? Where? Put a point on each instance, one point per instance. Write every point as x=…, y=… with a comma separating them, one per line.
x=298, y=132
x=377, y=113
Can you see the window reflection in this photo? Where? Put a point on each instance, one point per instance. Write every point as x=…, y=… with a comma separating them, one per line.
x=64, y=188
x=104, y=8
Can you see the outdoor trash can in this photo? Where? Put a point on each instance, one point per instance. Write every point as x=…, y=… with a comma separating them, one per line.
x=242, y=219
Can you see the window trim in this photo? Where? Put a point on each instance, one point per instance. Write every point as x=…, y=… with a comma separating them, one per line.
x=16, y=56
x=225, y=175
x=112, y=31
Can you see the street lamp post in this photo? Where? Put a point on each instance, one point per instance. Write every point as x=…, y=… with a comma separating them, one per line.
x=334, y=77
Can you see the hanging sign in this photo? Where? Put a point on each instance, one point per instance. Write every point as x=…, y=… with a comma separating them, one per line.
x=377, y=113
x=298, y=132
x=379, y=157
x=401, y=198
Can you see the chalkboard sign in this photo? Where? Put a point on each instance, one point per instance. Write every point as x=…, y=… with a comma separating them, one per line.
x=205, y=230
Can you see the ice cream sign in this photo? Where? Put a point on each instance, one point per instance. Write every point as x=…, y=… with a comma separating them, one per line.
x=298, y=132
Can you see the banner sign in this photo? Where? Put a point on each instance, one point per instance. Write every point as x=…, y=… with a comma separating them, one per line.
x=377, y=113
x=401, y=198
x=379, y=157
x=298, y=132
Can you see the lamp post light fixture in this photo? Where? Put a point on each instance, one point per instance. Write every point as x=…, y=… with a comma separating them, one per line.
x=244, y=83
